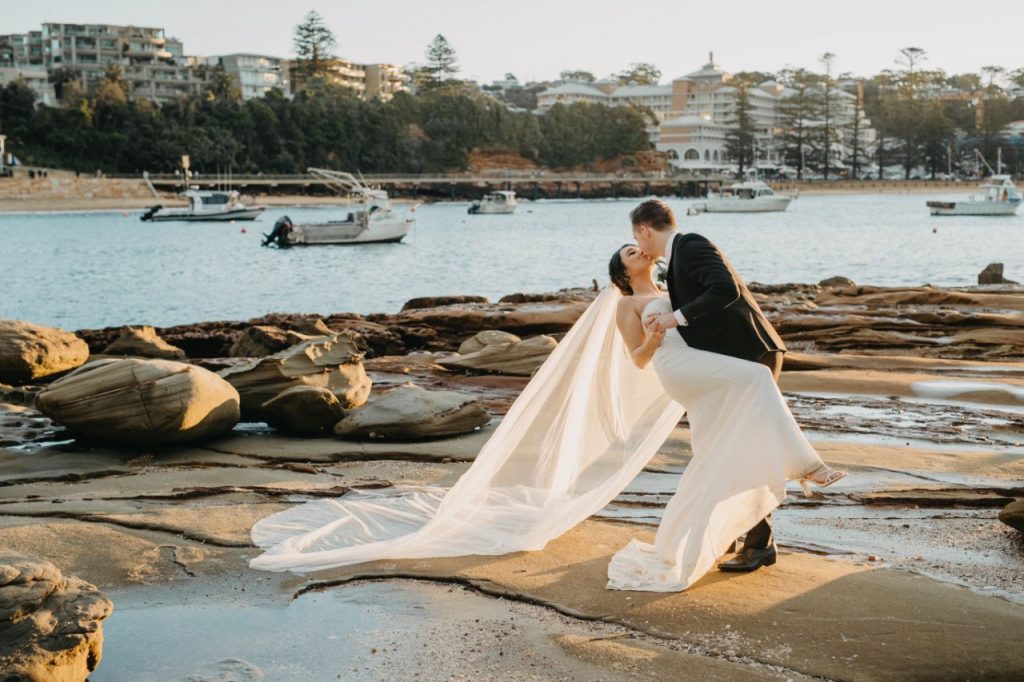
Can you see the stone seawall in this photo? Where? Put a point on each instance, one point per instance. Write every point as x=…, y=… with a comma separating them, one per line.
x=63, y=186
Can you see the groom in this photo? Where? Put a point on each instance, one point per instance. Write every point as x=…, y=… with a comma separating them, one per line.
x=714, y=311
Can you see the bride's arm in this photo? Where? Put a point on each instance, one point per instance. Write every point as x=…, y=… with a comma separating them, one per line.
x=640, y=342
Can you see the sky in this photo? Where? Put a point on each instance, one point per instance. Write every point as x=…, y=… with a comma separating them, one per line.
x=536, y=39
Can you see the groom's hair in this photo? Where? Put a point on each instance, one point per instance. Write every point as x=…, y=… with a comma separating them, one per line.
x=655, y=214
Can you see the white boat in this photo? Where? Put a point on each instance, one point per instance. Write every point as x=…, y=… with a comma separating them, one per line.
x=752, y=196
x=373, y=222
x=206, y=205
x=503, y=202
x=1000, y=197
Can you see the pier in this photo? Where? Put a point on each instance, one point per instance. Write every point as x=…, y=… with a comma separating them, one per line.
x=529, y=185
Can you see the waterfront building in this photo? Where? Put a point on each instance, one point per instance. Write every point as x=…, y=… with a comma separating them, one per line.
x=35, y=77
x=21, y=49
x=256, y=74
x=657, y=98
x=695, y=112
x=384, y=81
x=153, y=65
x=368, y=81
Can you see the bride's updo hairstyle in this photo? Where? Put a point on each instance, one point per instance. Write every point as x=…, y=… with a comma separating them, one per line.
x=617, y=272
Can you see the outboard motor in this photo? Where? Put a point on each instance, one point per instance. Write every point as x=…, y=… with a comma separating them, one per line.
x=148, y=215
x=279, y=235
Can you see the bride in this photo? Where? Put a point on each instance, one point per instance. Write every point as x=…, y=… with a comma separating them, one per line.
x=593, y=415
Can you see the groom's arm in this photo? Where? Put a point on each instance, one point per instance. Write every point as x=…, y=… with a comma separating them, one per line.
x=699, y=259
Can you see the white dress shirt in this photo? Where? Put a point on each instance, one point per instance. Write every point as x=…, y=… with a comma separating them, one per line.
x=680, y=318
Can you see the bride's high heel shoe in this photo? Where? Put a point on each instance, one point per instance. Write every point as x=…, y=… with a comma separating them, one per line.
x=823, y=477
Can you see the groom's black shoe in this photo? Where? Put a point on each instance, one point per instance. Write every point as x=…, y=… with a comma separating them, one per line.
x=750, y=559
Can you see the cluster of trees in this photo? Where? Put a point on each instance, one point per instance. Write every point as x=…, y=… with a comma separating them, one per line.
x=325, y=124
x=922, y=118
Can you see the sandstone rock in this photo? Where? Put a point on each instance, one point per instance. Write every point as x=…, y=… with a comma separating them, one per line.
x=1013, y=515
x=311, y=326
x=376, y=337
x=30, y=351
x=577, y=294
x=488, y=337
x=837, y=283
x=437, y=301
x=523, y=319
x=304, y=410
x=332, y=362
x=51, y=627
x=993, y=274
x=518, y=358
x=143, y=342
x=141, y=402
x=260, y=341
x=413, y=413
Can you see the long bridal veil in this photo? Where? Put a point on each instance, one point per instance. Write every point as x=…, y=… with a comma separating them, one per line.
x=580, y=431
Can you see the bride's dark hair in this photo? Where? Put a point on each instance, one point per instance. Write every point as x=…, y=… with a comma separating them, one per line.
x=617, y=272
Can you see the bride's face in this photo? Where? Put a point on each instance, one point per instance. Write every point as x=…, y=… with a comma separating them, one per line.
x=635, y=260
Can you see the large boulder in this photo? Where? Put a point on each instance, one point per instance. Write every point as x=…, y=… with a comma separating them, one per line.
x=141, y=402
x=1013, y=515
x=51, y=626
x=262, y=340
x=410, y=412
x=837, y=282
x=304, y=411
x=436, y=301
x=993, y=274
x=331, y=362
x=143, y=342
x=501, y=353
x=29, y=352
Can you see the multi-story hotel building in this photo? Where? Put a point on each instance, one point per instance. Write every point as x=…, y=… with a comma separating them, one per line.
x=695, y=113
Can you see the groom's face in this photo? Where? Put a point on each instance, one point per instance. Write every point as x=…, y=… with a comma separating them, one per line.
x=644, y=236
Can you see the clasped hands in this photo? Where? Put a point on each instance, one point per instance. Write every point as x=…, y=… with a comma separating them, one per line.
x=657, y=324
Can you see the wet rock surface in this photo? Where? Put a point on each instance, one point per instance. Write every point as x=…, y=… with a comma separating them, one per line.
x=50, y=625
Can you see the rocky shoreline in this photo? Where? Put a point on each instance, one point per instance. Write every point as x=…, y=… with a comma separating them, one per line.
x=917, y=391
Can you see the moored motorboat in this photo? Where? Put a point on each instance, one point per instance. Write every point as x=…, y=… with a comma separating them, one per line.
x=205, y=205
x=1000, y=198
x=495, y=203
x=374, y=222
x=753, y=196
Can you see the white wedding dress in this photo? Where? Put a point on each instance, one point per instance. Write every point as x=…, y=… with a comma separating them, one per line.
x=745, y=444
x=580, y=431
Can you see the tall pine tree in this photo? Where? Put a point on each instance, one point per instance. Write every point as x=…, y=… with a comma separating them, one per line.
x=314, y=45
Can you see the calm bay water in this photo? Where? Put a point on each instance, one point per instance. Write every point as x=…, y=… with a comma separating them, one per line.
x=82, y=270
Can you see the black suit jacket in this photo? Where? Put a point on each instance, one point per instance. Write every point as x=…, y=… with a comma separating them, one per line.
x=721, y=313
